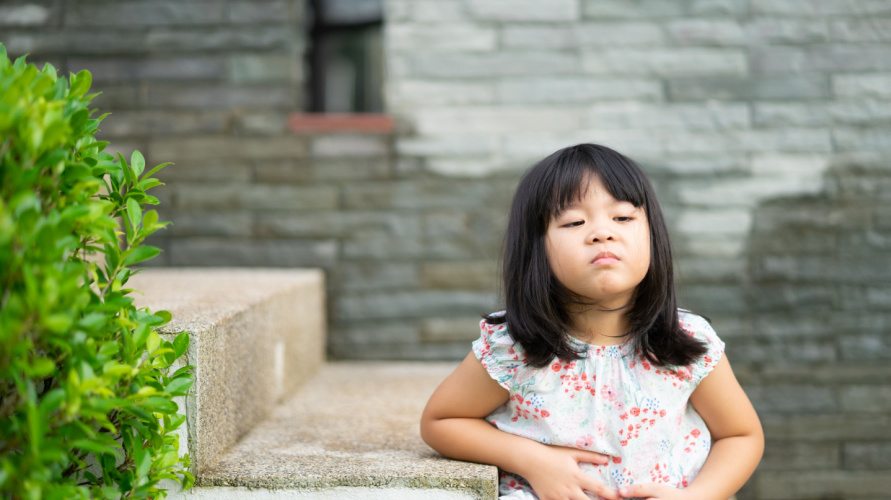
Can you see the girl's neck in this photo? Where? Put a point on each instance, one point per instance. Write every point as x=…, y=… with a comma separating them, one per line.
x=600, y=326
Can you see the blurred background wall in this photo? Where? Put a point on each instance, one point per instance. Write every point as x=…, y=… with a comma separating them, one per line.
x=765, y=125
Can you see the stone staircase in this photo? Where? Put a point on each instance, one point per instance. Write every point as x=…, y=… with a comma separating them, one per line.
x=268, y=418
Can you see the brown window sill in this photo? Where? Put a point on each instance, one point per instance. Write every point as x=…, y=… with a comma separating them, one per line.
x=325, y=122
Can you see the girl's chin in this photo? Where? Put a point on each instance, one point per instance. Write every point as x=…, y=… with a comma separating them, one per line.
x=608, y=302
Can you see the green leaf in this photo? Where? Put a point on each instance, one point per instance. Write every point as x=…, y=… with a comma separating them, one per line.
x=143, y=462
x=153, y=342
x=160, y=404
x=176, y=421
x=134, y=213
x=52, y=401
x=58, y=323
x=107, y=405
x=93, y=321
x=138, y=413
x=166, y=460
x=154, y=170
x=98, y=145
x=128, y=174
x=188, y=480
x=80, y=83
x=182, y=370
x=150, y=183
x=181, y=343
x=137, y=163
x=141, y=334
x=164, y=315
x=93, y=446
x=41, y=367
x=116, y=369
x=140, y=254
x=163, y=350
x=150, y=218
x=52, y=455
x=179, y=386
x=109, y=348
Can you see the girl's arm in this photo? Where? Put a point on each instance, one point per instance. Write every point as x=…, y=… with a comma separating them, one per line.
x=737, y=440
x=452, y=424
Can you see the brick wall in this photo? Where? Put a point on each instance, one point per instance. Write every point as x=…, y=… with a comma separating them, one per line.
x=765, y=125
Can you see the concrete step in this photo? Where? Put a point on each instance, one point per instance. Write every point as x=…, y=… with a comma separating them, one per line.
x=257, y=335
x=351, y=433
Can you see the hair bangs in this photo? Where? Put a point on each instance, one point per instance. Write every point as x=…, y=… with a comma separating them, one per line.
x=576, y=167
x=567, y=183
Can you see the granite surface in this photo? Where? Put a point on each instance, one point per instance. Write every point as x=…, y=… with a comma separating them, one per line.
x=354, y=425
x=256, y=336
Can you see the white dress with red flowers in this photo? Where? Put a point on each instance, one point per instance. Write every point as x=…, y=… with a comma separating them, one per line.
x=612, y=402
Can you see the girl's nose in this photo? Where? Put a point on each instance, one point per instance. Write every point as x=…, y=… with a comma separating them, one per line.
x=601, y=234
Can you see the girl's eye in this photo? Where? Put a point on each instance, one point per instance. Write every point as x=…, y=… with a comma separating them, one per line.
x=623, y=219
x=574, y=224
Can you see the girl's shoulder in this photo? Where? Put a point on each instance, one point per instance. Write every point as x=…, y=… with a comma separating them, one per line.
x=501, y=356
x=701, y=329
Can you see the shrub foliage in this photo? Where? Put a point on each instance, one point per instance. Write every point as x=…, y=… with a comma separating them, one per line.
x=86, y=389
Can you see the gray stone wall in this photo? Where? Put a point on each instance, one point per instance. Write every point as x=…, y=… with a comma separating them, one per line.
x=211, y=68
x=765, y=125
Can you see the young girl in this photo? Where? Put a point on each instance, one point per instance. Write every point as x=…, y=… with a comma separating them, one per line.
x=592, y=382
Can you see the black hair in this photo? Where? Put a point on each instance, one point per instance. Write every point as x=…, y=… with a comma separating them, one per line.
x=537, y=303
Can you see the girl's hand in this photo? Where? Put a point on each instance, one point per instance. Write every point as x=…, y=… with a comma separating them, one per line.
x=554, y=474
x=653, y=491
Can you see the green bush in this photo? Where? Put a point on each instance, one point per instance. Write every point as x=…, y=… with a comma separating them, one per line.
x=86, y=393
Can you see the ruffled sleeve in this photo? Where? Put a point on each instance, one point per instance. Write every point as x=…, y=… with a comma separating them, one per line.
x=699, y=328
x=500, y=355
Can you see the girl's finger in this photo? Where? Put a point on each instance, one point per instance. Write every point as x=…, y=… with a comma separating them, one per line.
x=591, y=457
x=640, y=490
x=595, y=486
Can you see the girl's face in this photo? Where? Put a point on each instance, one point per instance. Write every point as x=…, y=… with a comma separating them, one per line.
x=599, y=247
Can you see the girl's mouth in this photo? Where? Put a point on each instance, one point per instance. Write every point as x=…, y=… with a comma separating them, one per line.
x=605, y=258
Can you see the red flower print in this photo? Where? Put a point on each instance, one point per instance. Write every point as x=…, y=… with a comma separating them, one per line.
x=695, y=432
x=617, y=460
x=584, y=442
x=545, y=414
x=623, y=442
x=635, y=411
x=555, y=367
x=662, y=413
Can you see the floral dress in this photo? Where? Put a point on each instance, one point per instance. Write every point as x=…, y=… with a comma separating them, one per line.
x=612, y=401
